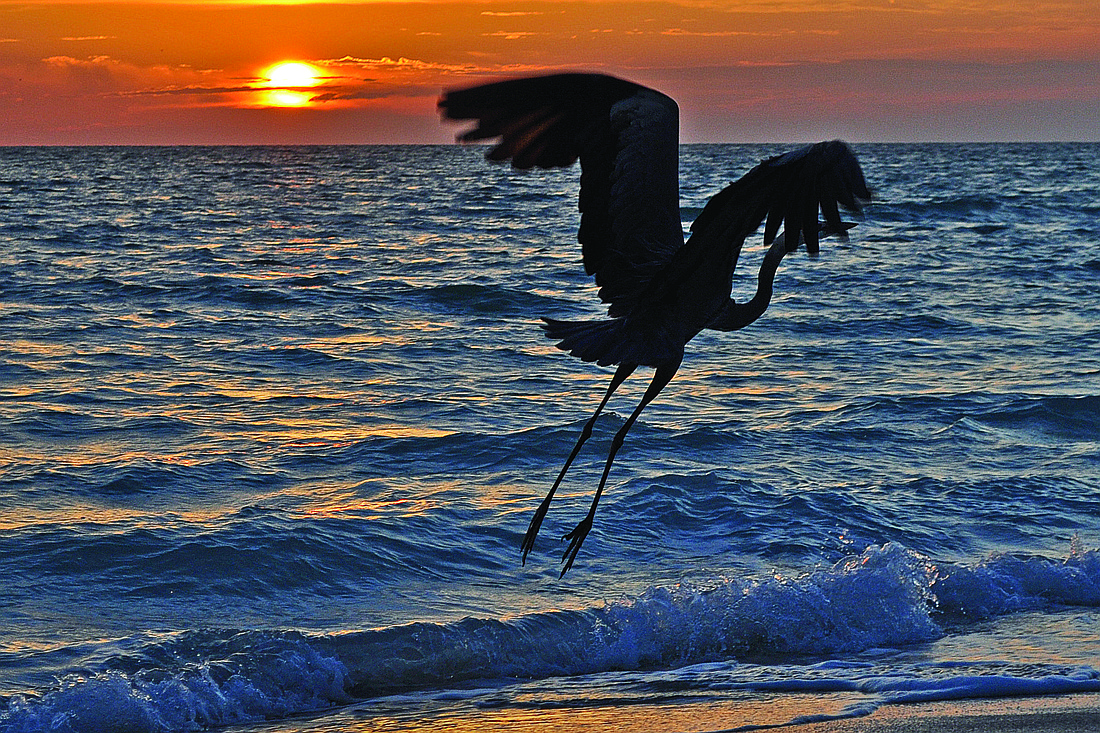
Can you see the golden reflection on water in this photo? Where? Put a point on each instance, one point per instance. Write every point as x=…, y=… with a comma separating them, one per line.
x=375, y=509
x=735, y=711
x=103, y=513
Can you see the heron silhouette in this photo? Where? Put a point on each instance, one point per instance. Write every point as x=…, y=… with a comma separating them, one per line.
x=660, y=291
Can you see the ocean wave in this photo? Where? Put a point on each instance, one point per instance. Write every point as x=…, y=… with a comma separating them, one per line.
x=885, y=597
x=467, y=298
x=962, y=687
x=1064, y=417
x=194, y=682
x=906, y=684
x=877, y=599
x=953, y=207
x=1011, y=583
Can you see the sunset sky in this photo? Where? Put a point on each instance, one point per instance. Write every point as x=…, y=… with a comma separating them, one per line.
x=742, y=71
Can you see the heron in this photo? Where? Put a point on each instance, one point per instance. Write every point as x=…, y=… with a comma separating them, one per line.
x=660, y=290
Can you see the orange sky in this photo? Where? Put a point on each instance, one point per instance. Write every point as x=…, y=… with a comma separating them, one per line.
x=171, y=73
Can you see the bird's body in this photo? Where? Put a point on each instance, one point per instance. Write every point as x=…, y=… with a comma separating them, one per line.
x=660, y=290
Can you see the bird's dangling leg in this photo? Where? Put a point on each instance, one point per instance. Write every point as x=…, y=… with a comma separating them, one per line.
x=664, y=375
x=624, y=371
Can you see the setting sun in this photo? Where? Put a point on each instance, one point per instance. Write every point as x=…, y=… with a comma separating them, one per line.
x=292, y=74
x=286, y=80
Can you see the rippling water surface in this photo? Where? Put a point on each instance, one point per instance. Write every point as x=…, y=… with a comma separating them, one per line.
x=273, y=422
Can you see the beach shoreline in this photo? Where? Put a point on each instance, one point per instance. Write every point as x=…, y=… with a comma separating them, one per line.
x=1079, y=713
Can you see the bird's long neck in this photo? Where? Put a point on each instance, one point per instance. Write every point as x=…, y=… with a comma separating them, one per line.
x=738, y=315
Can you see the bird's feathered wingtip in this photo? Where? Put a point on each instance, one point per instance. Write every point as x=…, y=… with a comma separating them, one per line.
x=787, y=191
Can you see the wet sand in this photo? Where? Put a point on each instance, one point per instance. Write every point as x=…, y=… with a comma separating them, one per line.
x=1057, y=714
x=1054, y=714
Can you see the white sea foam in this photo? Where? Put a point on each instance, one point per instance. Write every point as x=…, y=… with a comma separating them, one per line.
x=882, y=598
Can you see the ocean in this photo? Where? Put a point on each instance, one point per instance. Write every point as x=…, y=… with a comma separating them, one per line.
x=273, y=422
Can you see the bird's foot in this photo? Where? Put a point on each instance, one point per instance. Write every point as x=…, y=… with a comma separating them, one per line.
x=529, y=539
x=576, y=539
x=533, y=529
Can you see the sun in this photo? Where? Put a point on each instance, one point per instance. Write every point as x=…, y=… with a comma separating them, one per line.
x=292, y=74
x=286, y=82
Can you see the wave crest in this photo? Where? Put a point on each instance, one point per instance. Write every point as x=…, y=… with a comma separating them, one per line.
x=886, y=597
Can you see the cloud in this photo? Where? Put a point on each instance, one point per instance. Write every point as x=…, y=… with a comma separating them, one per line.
x=190, y=89
x=348, y=81
x=433, y=69
x=339, y=94
x=717, y=34
x=69, y=62
x=512, y=35
x=756, y=34
x=401, y=63
x=103, y=77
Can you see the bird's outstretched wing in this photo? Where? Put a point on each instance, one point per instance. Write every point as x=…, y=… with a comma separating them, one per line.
x=787, y=191
x=627, y=139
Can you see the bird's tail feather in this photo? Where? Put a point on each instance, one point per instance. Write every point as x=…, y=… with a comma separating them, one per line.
x=598, y=341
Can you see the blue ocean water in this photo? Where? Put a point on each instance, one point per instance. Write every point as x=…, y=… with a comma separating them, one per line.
x=273, y=422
